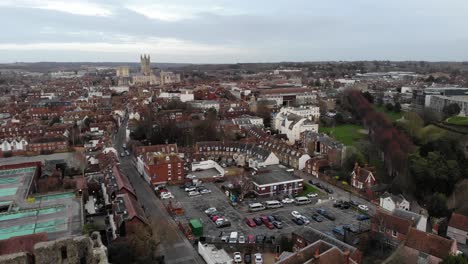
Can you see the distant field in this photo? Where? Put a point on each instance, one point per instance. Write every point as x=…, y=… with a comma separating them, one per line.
x=390, y=114
x=458, y=120
x=346, y=134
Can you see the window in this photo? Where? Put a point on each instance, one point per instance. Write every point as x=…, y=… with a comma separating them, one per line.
x=394, y=233
x=63, y=251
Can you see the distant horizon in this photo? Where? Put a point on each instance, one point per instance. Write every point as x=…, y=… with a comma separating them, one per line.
x=229, y=32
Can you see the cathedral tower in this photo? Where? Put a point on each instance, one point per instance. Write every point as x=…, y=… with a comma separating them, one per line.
x=145, y=64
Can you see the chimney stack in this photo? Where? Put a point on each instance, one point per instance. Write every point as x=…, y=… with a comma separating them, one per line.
x=317, y=253
x=346, y=256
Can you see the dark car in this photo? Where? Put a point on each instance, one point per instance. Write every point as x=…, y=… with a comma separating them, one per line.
x=326, y=214
x=319, y=185
x=264, y=219
x=186, y=185
x=354, y=203
x=278, y=224
x=277, y=218
x=317, y=218
x=337, y=204
x=351, y=228
x=312, y=182
x=328, y=190
x=259, y=239
x=247, y=258
x=298, y=221
x=362, y=217
x=271, y=218
x=257, y=220
x=345, y=205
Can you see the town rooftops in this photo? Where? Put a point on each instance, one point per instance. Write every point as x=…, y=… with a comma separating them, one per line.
x=459, y=221
x=428, y=243
x=393, y=222
x=396, y=198
x=21, y=243
x=128, y=208
x=273, y=174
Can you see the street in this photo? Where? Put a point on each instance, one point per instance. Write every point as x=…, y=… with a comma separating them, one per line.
x=174, y=246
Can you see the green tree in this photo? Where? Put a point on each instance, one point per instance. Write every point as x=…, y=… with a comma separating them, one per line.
x=437, y=205
x=397, y=107
x=353, y=156
x=457, y=259
x=368, y=97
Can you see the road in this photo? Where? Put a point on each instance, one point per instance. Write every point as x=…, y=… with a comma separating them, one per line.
x=174, y=246
x=338, y=194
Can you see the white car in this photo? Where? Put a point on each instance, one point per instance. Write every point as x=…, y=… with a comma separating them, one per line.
x=220, y=220
x=210, y=210
x=190, y=189
x=193, y=193
x=166, y=195
x=205, y=191
x=304, y=219
x=287, y=201
x=190, y=176
x=237, y=257
x=241, y=239
x=312, y=195
x=258, y=258
x=296, y=214
x=363, y=207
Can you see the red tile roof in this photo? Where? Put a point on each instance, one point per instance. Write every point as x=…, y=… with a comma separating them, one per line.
x=392, y=222
x=428, y=243
x=459, y=221
x=122, y=180
x=21, y=243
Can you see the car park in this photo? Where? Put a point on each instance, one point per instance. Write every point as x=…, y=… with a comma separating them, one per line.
x=317, y=217
x=193, y=193
x=250, y=222
x=205, y=191
x=257, y=220
x=237, y=257
x=258, y=258
x=296, y=214
x=298, y=221
x=277, y=224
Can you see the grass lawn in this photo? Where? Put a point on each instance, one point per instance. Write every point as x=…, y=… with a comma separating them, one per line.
x=346, y=134
x=308, y=189
x=390, y=114
x=458, y=120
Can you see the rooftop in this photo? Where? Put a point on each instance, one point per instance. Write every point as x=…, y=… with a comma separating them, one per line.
x=274, y=174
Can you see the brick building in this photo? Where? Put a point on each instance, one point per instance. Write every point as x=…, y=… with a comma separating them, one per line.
x=276, y=180
x=159, y=168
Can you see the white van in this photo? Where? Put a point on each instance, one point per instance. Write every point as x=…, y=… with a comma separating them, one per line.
x=273, y=204
x=233, y=237
x=256, y=207
x=302, y=200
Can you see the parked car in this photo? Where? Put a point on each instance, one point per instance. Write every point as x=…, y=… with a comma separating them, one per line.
x=317, y=218
x=205, y=191
x=259, y=239
x=241, y=239
x=222, y=224
x=328, y=190
x=278, y=224
x=215, y=217
x=362, y=217
x=127, y=153
x=312, y=195
x=225, y=236
x=264, y=219
x=319, y=185
x=298, y=221
x=191, y=189
x=312, y=182
x=296, y=214
x=326, y=214
x=337, y=203
x=250, y=222
x=258, y=258
x=277, y=218
x=190, y=176
x=247, y=258
x=166, y=195
x=193, y=193
x=339, y=230
x=250, y=239
x=269, y=225
x=354, y=203
x=304, y=219
x=210, y=210
x=363, y=207
x=186, y=185
x=287, y=200
x=257, y=220
x=351, y=228
x=122, y=154
x=237, y=257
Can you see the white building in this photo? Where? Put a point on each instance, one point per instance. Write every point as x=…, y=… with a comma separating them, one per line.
x=14, y=144
x=182, y=95
x=212, y=255
x=205, y=104
x=302, y=111
x=206, y=165
x=391, y=202
x=458, y=228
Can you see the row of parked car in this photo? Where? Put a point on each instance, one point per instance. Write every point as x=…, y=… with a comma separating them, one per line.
x=195, y=190
x=270, y=221
x=321, y=186
x=258, y=258
x=318, y=216
x=217, y=217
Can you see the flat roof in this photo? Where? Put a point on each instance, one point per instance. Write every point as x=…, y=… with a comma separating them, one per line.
x=274, y=174
x=58, y=214
x=209, y=173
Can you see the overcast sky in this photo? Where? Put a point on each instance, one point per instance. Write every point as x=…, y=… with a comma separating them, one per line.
x=230, y=31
